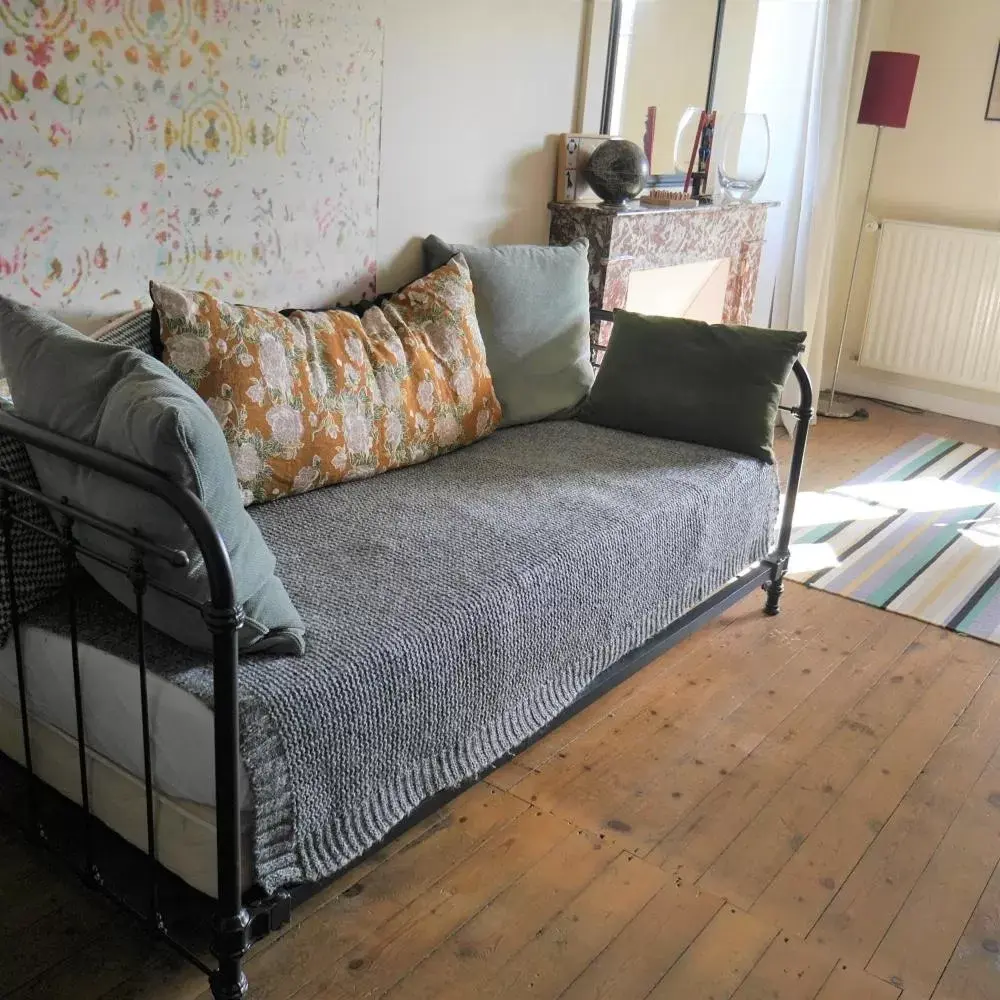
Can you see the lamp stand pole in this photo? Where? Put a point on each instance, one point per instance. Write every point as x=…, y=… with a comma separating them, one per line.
x=828, y=406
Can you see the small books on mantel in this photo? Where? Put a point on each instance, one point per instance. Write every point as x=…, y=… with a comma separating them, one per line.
x=574, y=154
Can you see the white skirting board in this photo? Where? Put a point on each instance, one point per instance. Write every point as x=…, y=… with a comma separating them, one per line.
x=936, y=402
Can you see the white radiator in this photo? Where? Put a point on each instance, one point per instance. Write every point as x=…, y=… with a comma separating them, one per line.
x=934, y=310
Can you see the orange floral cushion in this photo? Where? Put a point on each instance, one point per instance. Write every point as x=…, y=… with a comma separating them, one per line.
x=315, y=398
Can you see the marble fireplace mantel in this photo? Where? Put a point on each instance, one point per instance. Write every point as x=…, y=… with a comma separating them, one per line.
x=641, y=238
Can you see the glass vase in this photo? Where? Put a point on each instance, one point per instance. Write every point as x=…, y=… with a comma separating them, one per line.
x=687, y=134
x=743, y=155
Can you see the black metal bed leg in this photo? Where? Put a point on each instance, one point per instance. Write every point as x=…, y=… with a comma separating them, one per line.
x=772, y=606
x=230, y=943
x=803, y=413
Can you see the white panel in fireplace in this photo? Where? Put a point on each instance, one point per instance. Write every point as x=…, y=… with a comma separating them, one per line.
x=694, y=291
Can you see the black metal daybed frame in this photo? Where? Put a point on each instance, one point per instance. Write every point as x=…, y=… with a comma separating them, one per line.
x=243, y=918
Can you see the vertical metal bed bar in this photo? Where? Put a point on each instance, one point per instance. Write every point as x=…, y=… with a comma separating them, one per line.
x=69, y=556
x=137, y=577
x=232, y=933
x=804, y=413
x=7, y=525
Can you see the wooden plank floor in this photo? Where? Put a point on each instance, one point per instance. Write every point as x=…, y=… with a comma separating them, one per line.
x=792, y=808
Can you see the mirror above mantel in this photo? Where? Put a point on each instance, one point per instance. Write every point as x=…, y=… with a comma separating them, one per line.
x=683, y=58
x=764, y=66
x=674, y=58
x=661, y=61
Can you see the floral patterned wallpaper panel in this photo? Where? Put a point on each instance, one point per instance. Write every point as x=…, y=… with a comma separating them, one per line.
x=224, y=145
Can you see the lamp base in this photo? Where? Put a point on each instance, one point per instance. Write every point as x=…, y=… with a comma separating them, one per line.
x=834, y=409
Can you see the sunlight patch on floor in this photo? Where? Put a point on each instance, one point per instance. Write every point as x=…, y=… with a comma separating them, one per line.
x=920, y=495
x=812, y=509
x=810, y=558
x=881, y=500
x=985, y=534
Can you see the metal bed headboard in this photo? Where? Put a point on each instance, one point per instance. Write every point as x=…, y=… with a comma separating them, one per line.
x=223, y=616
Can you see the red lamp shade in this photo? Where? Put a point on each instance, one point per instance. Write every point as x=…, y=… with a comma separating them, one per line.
x=888, y=89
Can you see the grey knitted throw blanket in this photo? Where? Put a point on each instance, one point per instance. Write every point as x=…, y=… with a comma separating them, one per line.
x=455, y=608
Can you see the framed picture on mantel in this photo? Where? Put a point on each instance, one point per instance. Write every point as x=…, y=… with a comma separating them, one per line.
x=993, y=105
x=574, y=155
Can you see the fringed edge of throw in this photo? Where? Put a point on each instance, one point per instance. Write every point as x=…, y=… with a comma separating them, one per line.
x=275, y=860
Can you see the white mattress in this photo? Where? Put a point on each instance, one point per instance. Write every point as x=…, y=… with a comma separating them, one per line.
x=181, y=726
x=185, y=832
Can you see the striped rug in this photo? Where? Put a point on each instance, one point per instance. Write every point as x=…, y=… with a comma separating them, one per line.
x=918, y=533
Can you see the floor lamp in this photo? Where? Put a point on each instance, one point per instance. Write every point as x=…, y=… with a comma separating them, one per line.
x=885, y=103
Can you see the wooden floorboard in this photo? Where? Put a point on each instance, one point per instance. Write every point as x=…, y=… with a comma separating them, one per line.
x=800, y=808
x=760, y=851
x=937, y=908
x=708, y=827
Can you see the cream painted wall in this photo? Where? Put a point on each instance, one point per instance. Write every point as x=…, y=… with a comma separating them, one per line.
x=475, y=94
x=944, y=167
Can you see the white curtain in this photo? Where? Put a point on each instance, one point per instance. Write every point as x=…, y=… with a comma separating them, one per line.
x=802, y=251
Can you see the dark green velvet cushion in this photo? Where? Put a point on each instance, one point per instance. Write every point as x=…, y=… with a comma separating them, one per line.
x=682, y=379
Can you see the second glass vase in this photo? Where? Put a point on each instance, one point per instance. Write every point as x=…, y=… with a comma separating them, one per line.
x=743, y=156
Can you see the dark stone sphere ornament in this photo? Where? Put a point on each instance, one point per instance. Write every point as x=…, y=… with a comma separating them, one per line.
x=618, y=171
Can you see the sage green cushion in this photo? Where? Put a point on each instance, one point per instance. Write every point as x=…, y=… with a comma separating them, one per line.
x=125, y=402
x=533, y=307
x=685, y=380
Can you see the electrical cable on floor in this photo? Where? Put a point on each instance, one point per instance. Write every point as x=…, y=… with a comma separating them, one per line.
x=862, y=414
x=901, y=407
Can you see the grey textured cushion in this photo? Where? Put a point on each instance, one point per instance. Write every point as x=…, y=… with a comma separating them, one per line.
x=533, y=306
x=454, y=608
x=127, y=403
